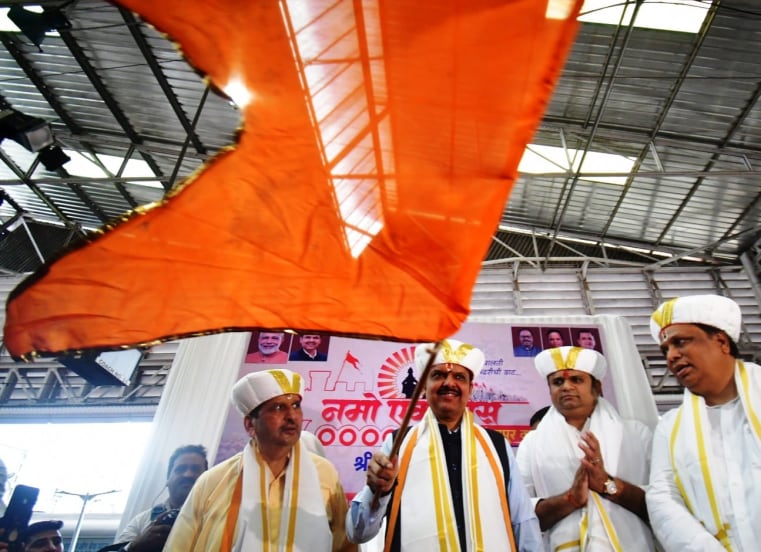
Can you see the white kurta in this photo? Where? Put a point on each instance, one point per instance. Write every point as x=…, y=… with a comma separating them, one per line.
x=733, y=465
x=200, y=527
x=549, y=456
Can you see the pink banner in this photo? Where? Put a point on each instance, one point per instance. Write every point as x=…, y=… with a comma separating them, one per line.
x=357, y=390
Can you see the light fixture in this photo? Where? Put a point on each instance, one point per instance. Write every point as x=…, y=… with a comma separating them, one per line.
x=31, y=132
x=34, y=25
x=53, y=158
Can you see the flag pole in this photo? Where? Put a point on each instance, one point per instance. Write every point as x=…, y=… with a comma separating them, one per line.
x=402, y=431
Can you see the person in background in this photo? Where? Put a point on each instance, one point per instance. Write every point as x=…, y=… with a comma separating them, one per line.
x=309, y=344
x=269, y=351
x=586, y=339
x=526, y=347
x=148, y=531
x=455, y=484
x=275, y=494
x=554, y=339
x=42, y=536
x=704, y=485
x=537, y=416
x=584, y=465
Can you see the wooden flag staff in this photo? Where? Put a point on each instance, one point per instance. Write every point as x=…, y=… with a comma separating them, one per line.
x=400, y=434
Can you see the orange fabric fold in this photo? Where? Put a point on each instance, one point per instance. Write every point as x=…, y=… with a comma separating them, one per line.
x=397, y=125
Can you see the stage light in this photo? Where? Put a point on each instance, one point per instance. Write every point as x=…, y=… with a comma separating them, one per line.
x=34, y=25
x=53, y=158
x=31, y=132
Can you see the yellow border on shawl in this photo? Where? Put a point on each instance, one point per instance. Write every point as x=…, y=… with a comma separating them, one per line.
x=721, y=534
x=752, y=415
x=472, y=480
x=445, y=527
x=294, y=506
x=501, y=483
x=400, y=479
x=584, y=527
x=672, y=446
x=609, y=529
x=263, y=495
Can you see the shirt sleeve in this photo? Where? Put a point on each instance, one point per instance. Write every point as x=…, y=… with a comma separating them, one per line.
x=362, y=521
x=185, y=528
x=528, y=536
x=135, y=527
x=674, y=526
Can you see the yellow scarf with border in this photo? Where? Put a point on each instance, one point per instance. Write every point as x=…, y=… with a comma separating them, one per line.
x=299, y=516
x=690, y=435
x=423, y=496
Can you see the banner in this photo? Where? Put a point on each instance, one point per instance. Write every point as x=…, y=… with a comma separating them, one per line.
x=357, y=391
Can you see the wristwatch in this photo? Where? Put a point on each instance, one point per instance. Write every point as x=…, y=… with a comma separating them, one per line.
x=610, y=487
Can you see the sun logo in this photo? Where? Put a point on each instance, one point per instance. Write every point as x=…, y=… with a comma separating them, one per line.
x=396, y=377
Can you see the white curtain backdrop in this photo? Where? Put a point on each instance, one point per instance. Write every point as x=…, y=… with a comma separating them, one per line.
x=191, y=411
x=197, y=394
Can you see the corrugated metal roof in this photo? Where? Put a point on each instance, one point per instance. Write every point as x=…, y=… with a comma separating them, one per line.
x=684, y=106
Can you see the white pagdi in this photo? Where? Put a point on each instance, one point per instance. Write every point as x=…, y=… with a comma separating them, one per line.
x=590, y=361
x=253, y=389
x=451, y=352
x=713, y=310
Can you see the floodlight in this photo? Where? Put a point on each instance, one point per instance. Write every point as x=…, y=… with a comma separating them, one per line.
x=34, y=25
x=31, y=132
x=53, y=158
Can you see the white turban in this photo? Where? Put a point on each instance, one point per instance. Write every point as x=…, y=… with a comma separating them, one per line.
x=712, y=310
x=253, y=389
x=590, y=361
x=451, y=352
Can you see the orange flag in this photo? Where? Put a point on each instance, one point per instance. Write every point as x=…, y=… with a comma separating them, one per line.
x=379, y=144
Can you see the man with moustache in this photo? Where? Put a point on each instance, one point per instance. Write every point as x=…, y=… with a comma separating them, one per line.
x=584, y=465
x=274, y=495
x=308, y=352
x=706, y=474
x=526, y=347
x=454, y=485
x=269, y=349
x=148, y=531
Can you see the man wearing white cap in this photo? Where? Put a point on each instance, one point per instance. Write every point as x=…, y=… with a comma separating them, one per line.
x=275, y=495
x=706, y=475
x=455, y=485
x=584, y=465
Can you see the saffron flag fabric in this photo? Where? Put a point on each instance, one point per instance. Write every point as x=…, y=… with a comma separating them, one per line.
x=379, y=143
